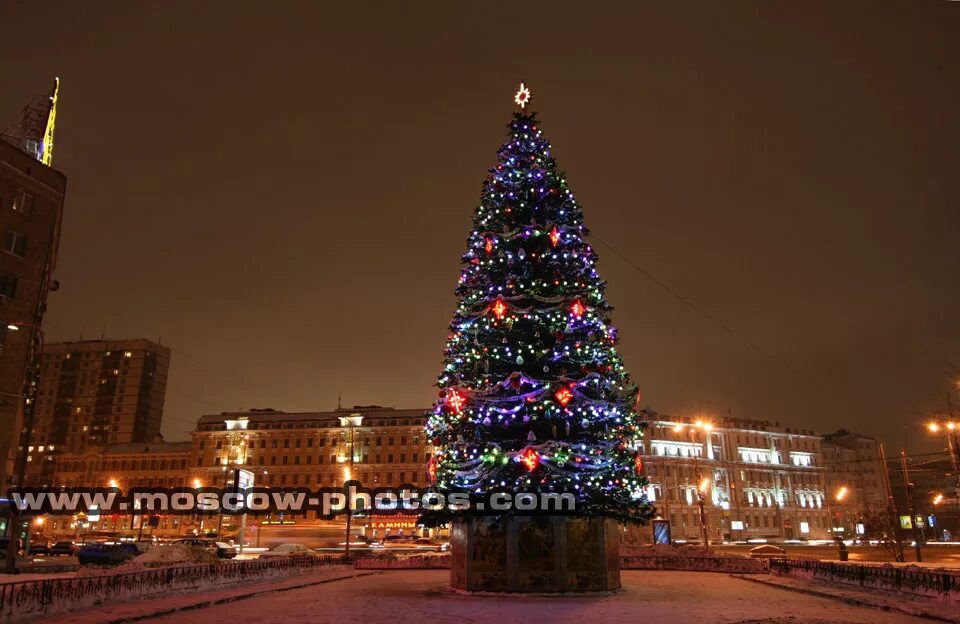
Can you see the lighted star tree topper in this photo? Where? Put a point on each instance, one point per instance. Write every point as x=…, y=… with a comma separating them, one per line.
x=534, y=396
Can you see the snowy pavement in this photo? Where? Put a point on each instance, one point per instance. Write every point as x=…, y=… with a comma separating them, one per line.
x=397, y=597
x=187, y=602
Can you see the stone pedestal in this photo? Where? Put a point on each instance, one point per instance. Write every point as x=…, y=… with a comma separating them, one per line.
x=548, y=554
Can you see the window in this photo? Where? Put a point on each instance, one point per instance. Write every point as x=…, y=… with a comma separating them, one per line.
x=22, y=202
x=13, y=243
x=8, y=285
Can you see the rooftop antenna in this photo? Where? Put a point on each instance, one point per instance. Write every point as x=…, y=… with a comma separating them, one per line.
x=33, y=130
x=339, y=406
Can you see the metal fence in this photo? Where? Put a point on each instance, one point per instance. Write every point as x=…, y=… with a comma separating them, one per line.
x=912, y=580
x=23, y=598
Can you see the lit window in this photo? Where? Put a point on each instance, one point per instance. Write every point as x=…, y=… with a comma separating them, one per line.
x=22, y=202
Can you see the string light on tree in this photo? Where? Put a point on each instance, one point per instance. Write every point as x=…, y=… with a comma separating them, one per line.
x=536, y=396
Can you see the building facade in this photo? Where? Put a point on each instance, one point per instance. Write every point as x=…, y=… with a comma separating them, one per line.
x=94, y=393
x=305, y=449
x=157, y=464
x=313, y=449
x=754, y=479
x=31, y=207
x=859, y=481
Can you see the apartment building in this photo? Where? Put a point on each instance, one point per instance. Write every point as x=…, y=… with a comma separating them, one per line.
x=754, y=478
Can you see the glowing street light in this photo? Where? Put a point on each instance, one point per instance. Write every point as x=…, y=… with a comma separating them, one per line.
x=937, y=499
x=704, y=485
x=842, y=493
x=933, y=427
x=113, y=483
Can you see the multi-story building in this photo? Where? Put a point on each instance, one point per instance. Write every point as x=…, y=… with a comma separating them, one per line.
x=31, y=207
x=93, y=393
x=130, y=465
x=859, y=484
x=377, y=446
x=313, y=449
x=755, y=479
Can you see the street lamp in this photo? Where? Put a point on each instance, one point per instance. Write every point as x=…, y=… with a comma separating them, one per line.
x=949, y=429
x=704, y=482
x=23, y=436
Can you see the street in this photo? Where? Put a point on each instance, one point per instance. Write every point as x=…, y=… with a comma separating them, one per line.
x=946, y=555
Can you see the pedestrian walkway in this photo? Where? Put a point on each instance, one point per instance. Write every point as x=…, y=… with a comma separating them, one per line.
x=149, y=608
x=920, y=607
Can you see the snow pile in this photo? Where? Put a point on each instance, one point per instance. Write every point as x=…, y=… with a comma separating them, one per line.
x=667, y=550
x=419, y=561
x=689, y=558
x=175, y=553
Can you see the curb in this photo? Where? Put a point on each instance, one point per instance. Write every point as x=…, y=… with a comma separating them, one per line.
x=228, y=599
x=859, y=602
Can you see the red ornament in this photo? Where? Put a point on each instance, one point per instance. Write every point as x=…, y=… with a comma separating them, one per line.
x=530, y=459
x=455, y=401
x=577, y=309
x=554, y=236
x=489, y=245
x=432, y=469
x=516, y=379
x=499, y=308
x=563, y=396
x=638, y=464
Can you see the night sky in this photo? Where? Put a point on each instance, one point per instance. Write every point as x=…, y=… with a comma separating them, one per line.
x=282, y=193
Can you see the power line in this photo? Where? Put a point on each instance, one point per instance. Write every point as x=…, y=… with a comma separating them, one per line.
x=687, y=302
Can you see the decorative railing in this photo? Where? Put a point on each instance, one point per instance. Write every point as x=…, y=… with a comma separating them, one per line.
x=906, y=579
x=24, y=598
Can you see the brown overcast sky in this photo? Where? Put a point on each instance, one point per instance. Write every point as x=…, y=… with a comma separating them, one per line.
x=282, y=192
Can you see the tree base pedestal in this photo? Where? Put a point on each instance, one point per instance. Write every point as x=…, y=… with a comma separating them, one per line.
x=536, y=554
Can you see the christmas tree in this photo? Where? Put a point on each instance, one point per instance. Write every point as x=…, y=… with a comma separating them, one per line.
x=534, y=396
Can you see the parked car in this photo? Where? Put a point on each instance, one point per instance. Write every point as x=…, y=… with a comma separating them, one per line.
x=39, y=548
x=63, y=549
x=289, y=550
x=101, y=553
x=221, y=549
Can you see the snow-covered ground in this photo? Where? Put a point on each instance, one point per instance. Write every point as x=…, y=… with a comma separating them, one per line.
x=398, y=597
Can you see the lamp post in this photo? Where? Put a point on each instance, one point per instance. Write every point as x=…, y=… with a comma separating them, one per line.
x=949, y=427
x=25, y=408
x=908, y=486
x=348, y=473
x=703, y=483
